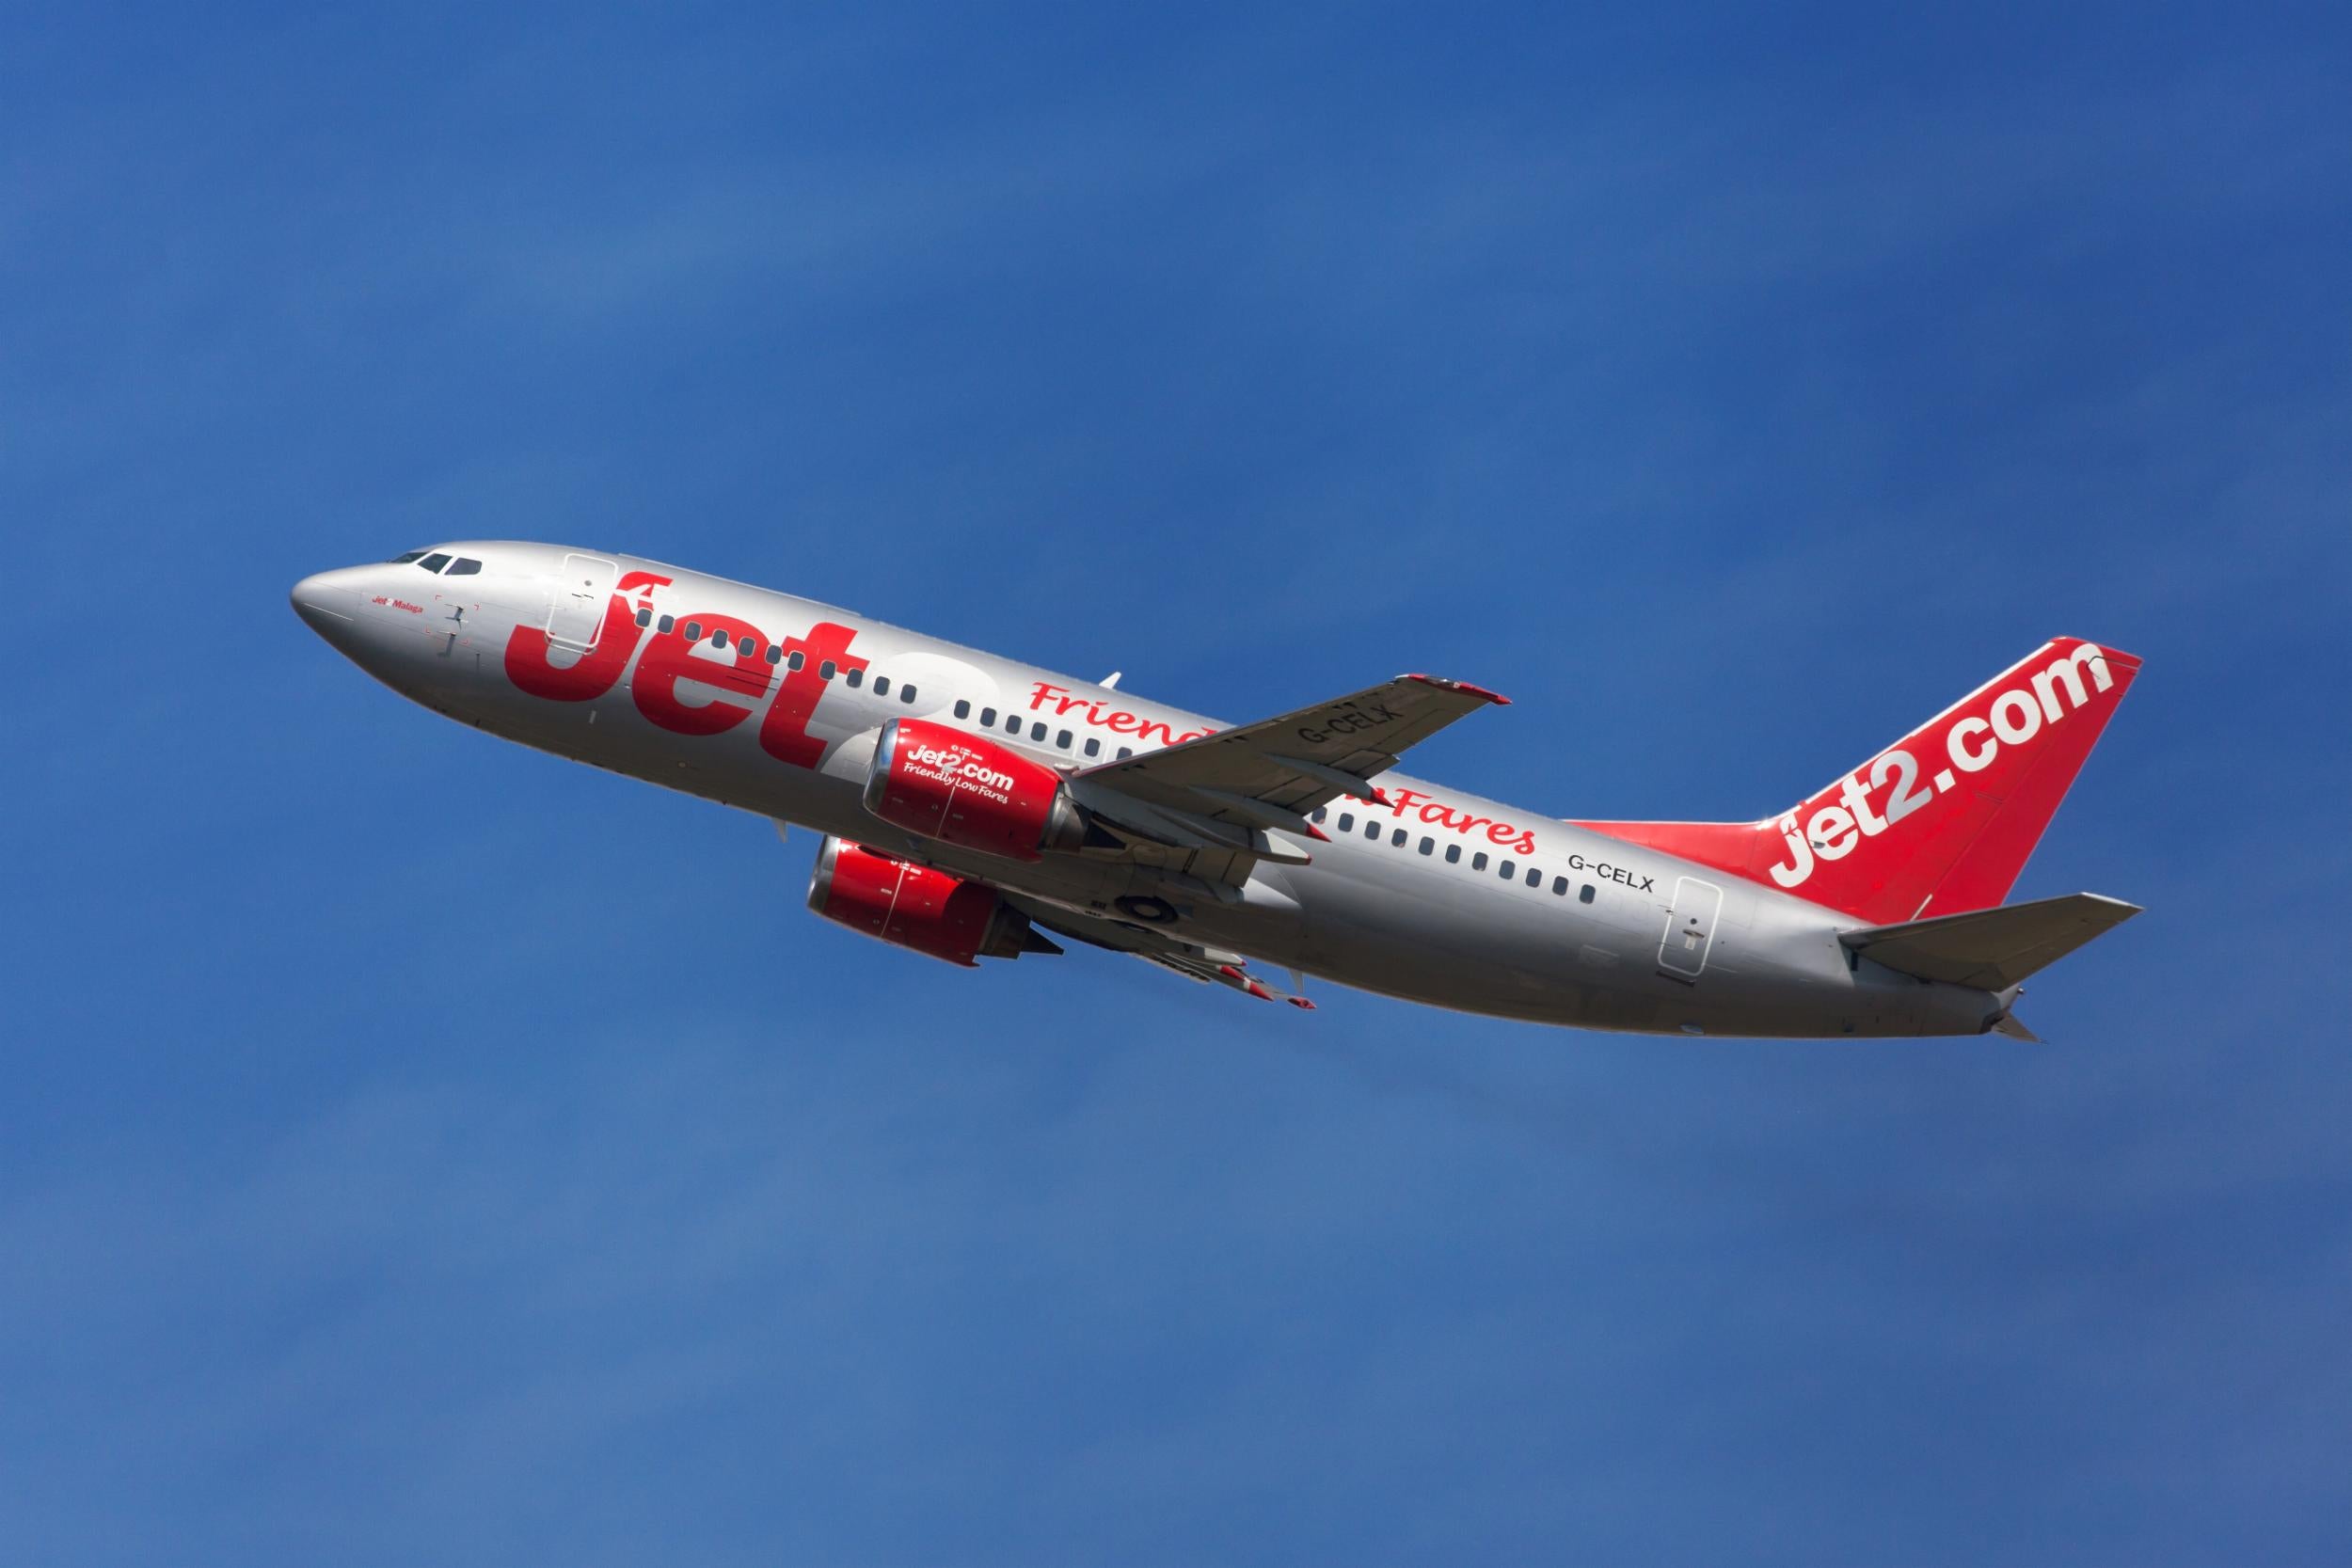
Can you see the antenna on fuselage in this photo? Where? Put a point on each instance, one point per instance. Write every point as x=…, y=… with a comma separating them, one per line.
x=1111, y=680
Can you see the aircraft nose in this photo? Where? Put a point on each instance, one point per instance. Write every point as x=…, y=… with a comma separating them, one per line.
x=328, y=602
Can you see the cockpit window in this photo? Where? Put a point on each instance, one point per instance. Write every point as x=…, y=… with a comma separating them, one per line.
x=405, y=559
x=464, y=566
x=433, y=562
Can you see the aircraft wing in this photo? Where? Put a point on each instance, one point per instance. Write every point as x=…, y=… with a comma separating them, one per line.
x=1223, y=790
x=1209, y=965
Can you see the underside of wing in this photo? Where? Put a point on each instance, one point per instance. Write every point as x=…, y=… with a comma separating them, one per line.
x=1208, y=965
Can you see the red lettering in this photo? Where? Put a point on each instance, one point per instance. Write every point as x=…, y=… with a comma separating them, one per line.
x=1117, y=721
x=671, y=658
x=783, y=733
x=1433, y=812
x=530, y=663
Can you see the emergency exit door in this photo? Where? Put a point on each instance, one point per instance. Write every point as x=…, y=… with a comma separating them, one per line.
x=1689, y=929
x=576, y=602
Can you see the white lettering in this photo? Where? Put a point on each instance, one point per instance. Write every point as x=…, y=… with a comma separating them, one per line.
x=1799, y=864
x=2069, y=668
x=2028, y=721
x=1832, y=832
x=950, y=767
x=2012, y=718
x=1956, y=743
x=1857, y=800
x=1907, y=797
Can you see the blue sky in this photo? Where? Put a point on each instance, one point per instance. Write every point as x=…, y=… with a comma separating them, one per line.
x=418, y=1149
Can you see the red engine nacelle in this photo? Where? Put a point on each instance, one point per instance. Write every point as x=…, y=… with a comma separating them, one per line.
x=966, y=790
x=916, y=907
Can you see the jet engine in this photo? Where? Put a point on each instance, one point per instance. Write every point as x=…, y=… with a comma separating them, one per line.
x=967, y=790
x=914, y=906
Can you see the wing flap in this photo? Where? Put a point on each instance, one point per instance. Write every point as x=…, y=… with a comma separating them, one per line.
x=1991, y=949
x=1212, y=966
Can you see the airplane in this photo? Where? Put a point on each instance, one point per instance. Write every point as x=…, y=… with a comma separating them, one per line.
x=973, y=807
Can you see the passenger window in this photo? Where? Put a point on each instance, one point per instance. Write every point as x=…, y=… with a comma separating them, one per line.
x=1453, y=854
x=1428, y=846
x=1509, y=867
x=795, y=660
x=824, y=671
x=1348, y=822
x=1396, y=841
x=988, y=718
x=963, y=707
x=1062, y=740
x=644, y=617
x=1534, y=876
x=1478, y=861
x=1584, y=894
x=1012, y=723
x=1317, y=814
x=906, y=695
x=775, y=654
x=882, y=685
x=1037, y=732
x=854, y=676
x=1094, y=746
x=1126, y=751
x=719, y=641
x=667, y=622
x=1371, y=829
x=433, y=562
x=464, y=566
x=694, y=631
x=1559, y=887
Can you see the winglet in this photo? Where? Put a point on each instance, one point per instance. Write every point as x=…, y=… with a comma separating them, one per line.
x=1463, y=687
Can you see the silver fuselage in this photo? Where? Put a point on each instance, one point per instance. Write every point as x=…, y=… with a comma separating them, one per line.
x=1657, y=944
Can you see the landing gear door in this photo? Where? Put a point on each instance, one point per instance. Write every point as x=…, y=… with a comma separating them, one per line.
x=576, y=606
x=1689, y=929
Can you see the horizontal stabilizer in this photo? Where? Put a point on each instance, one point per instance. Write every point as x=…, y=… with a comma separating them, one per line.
x=1991, y=949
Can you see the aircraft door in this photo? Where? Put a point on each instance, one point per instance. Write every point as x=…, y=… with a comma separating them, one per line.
x=452, y=623
x=1689, y=929
x=577, y=601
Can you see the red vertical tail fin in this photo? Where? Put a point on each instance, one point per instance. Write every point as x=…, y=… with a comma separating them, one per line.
x=1940, y=821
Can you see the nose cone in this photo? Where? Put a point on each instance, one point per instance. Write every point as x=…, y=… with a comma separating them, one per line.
x=328, y=602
